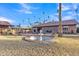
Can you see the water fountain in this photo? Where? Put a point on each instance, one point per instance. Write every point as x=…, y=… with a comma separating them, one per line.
x=40, y=36
x=33, y=38
x=37, y=37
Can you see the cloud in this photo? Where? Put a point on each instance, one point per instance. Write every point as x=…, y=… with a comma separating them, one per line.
x=55, y=18
x=56, y=14
x=72, y=14
x=66, y=6
x=6, y=19
x=25, y=11
x=25, y=8
x=75, y=5
x=67, y=17
x=28, y=7
x=68, y=12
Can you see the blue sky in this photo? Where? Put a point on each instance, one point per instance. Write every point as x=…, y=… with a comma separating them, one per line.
x=31, y=13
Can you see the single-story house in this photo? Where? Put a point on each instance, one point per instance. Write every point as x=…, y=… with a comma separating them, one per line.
x=7, y=28
x=68, y=26
x=20, y=30
x=4, y=25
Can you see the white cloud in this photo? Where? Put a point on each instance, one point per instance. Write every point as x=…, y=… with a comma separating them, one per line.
x=72, y=14
x=65, y=8
x=25, y=11
x=6, y=19
x=56, y=14
x=67, y=17
x=53, y=17
x=26, y=8
x=69, y=12
x=75, y=5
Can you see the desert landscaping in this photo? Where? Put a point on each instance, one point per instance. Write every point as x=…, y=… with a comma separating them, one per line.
x=59, y=47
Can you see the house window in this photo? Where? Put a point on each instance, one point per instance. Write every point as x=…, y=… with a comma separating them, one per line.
x=49, y=31
x=65, y=29
x=34, y=30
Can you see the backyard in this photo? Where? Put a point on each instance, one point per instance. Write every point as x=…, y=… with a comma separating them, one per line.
x=15, y=46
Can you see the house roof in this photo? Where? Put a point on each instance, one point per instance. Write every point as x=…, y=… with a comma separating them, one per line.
x=4, y=23
x=56, y=23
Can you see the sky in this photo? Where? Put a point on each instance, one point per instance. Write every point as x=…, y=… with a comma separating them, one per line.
x=27, y=14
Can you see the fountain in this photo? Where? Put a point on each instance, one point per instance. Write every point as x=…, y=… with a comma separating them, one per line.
x=41, y=38
x=33, y=38
x=37, y=37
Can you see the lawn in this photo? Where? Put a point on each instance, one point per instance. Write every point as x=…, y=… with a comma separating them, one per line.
x=18, y=47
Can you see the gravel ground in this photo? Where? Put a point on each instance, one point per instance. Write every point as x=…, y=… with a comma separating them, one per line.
x=20, y=48
x=28, y=48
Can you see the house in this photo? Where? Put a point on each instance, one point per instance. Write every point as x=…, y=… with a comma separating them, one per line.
x=7, y=28
x=4, y=25
x=20, y=30
x=68, y=26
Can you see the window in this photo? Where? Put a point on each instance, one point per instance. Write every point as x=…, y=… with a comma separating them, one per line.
x=49, y=31
x=65, y=28
x=34, y=30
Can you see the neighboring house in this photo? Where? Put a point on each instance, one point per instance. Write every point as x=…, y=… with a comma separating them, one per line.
x=20, y=30
x=68, y=26
x=4, y=25
x=77, y=28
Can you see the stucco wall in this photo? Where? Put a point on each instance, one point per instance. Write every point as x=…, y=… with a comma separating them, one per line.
x=72, y=28
x=50, y=29
x=56, y=29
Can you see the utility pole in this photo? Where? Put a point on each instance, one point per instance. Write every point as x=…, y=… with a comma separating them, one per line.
x=60, y=20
